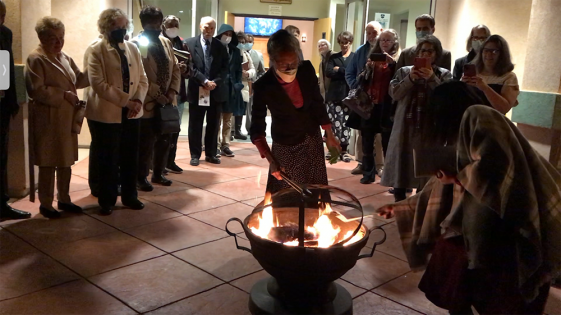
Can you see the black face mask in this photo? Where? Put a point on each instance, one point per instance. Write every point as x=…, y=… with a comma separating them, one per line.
x=118, y=36
x=151, y=33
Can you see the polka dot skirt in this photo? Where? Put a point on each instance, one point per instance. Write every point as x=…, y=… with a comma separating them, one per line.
x=339, y=114
x=303, y=163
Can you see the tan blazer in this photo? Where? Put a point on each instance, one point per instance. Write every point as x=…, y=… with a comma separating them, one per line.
x=106, y=98
x=46, y=80
x=151, y=69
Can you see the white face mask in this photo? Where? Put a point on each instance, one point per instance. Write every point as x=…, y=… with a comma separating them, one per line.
x=172, y=32
x=225, y=40
x=476, y=44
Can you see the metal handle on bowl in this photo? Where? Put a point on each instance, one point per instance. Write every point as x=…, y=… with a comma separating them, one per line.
x=235, y=235
x=375, y=244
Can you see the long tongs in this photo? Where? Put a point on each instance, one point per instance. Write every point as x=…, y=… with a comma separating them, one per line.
x=298, y=188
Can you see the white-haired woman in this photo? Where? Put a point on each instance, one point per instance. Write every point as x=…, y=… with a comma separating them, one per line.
x=324, y=49
x=52, y=79
x=118, y=89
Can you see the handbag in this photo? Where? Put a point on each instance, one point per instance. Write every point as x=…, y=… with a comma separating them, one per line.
x=167, y=119
x=78, y=117
x=359, y=102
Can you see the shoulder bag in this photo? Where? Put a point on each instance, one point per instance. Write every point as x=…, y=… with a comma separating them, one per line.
x=167, y=119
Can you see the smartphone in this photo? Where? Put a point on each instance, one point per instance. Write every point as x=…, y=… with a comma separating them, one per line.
x=377, y=57
x=469, y=70
x=421, y=62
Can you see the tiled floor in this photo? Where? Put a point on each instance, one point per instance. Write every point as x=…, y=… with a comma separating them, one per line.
x=174, y=257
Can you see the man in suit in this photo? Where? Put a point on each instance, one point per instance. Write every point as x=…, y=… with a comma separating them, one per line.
x=8, y=108
x=210, y=68
x=424, y=25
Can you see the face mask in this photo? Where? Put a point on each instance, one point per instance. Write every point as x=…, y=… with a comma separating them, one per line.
x=225, y=40
x=172, y=32
x=151, y=33
x=421, y=34
x=118, y=36
x=476, y=44
x=249, y=46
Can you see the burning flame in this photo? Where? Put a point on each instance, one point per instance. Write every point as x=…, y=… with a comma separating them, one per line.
x=323, y=230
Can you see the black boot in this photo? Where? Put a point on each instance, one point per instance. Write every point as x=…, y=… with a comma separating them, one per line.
x=368, y=169
x=368, y=177
x=238, y=129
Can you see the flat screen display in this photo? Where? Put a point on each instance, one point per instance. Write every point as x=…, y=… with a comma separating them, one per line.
x=262, y=26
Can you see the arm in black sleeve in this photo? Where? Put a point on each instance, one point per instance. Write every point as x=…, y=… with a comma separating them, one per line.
x=258, y=113
x=330, y=71
x=318, y=106
x=458, y=69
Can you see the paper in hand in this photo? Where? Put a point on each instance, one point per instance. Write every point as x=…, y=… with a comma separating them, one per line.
x=204, y=97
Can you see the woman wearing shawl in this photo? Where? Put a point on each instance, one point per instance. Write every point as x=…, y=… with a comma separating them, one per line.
x=494, y=229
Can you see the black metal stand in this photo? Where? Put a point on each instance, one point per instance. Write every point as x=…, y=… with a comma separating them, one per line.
x=266, y=298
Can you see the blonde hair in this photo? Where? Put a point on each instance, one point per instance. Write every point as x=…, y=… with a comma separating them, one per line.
x=46, y=24
x=108, y=17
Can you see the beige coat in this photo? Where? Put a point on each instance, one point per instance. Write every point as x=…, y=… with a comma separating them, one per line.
x=47, y=79
x=106, y=98
x=151, y=69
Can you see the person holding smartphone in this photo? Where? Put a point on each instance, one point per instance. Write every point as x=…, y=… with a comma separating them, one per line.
x=494, y=77
x=477, y=36
x=375, y=79
x=411, y=88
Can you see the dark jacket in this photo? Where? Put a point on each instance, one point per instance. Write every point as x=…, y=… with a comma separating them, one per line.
x=338, y=87
x=178, y=43
x=356, y=65
x=234, y=75
x=9, y=103
x=289, y=124
x=460, y=62
x=407, y=58
x=218, y=70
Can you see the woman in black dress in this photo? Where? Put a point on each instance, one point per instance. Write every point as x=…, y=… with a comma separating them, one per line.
x=338, y=90
x=290, y=91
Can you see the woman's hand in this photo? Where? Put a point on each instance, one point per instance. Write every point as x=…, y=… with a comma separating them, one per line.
x=245, y=74
x=71, y=97
x=414, y=74
x=134, y=108
x=370, y=64
x=331, y=141
x=182, y=67
x=385, y=211
x=389, y=59
x=170, y=95
x=335, y=68
x=425, y=73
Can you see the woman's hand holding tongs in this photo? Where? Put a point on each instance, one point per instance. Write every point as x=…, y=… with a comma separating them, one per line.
x=265, y=151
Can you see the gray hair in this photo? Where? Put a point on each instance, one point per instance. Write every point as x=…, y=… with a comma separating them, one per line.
x=282, y=42
x=325, y=41
x=47, y=24
x=108, y=17
x=477, y=27
x=375, y=24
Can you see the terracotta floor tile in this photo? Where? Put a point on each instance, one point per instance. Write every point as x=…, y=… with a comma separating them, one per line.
x=161, y=190
x=98, y=254
x=372, y=304
x=247, y=152
x=81, y=168
x=252, y=158
x=210, y=257
x=369, y=273
x=49, y=235
x=404, y=290
x=353, y=289
x=242, y=189
x=247, y=282
x=219, y=216
x=334, y=174
x=77, y=183
x=150, y=284
x=392, y=245
x=177, y=233
x=124, y=218
x=224, y=299
x=23, y=269
x=84, y=199
x=190, y=200
x=201, y=177
x=253, y=201
x=244, y=170
x=342, y=165
x=225, y=163
x=243, y=145
x=76, y=297
x=25, y=205
x=553, y=306
x=353, y=185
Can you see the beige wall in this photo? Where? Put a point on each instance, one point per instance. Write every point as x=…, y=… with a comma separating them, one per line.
x=13, y=22
x=306, y=27
x=508, y=18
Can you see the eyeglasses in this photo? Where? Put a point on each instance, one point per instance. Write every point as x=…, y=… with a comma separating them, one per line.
x=478, y=37
x=492, y=51
x=387, y=41
x=428, y=51
x=286, y=66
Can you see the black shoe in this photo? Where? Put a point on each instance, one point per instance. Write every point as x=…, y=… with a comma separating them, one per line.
x=69, y=207
x=7, y=212
x=240, y=136
x=161, y=180
x=173, y=168
x=134, y=204
x=49, y=213
x=368, y=180
x=218, y=153
x=144, y=185
x=213, y=160
x=357, y=170
x=194, y=162
x=227, y=152
x=409, y=190
x=106, y=210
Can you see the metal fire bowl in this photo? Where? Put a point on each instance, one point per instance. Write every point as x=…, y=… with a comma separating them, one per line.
x=301, y=267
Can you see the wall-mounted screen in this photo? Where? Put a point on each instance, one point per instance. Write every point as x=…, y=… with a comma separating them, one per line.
x=262, y=26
